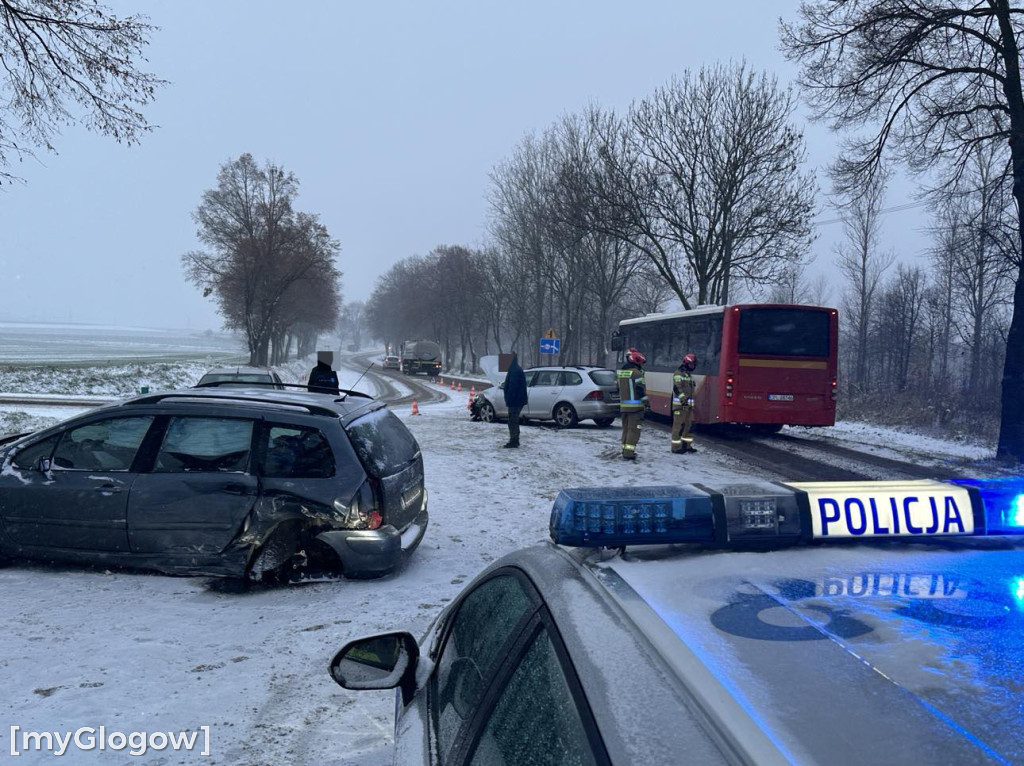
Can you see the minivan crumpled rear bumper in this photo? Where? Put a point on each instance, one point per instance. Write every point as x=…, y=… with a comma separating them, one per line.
x=375, y=552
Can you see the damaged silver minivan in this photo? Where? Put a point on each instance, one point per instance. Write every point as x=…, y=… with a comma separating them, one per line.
x=259, y=483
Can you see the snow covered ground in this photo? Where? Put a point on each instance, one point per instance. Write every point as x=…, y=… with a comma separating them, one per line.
x=139, y=652
x=142, y=652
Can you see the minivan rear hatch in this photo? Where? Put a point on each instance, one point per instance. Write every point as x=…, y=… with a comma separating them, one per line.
x=391, y=456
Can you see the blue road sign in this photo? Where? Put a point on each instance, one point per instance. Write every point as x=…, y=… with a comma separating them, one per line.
x=549, y=345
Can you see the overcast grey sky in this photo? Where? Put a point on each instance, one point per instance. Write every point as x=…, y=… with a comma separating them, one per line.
x=391, y=115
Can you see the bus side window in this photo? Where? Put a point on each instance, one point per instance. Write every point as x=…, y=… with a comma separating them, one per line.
x=699, y=341
x=712, y=359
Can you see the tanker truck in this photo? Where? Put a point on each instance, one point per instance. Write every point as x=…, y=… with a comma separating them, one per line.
x=421, y=356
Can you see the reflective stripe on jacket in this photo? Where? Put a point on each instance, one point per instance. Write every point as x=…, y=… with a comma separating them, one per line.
x=632, y=390
x=682, y=389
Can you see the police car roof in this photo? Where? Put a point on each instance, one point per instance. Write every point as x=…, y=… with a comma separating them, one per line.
x=869, y=653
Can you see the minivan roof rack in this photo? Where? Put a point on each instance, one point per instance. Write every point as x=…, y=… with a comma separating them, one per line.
x=303, y=386
x=312, y=409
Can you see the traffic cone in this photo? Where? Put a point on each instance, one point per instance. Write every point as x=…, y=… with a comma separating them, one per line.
x=469, y=403
x=415, y=408
x=472, y=391
x=459, y=389
x=451, y=385
x=442, y=380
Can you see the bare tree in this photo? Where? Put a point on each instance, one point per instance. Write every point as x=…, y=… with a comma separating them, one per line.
x=352, y=323
x=898, y=327
x=260, y=252
x=935, y=80
x=58, y=54
x=704, y=177
x=980, y=268
x=862, y=264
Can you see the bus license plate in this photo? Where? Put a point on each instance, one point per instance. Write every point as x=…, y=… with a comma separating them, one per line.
x=780, y=397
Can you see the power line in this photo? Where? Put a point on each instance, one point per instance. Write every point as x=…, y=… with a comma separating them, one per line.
x=883, y=211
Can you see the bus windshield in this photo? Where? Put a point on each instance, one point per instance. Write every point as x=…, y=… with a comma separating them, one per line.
x=783, y=332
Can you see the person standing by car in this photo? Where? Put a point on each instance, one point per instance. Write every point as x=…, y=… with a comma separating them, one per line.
x=322, y=378
x=683, y=389
x=632, y=401
x=515, y=399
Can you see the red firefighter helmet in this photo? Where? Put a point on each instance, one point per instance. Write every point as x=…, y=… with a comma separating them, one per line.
x=636, y=357
x=690, y=361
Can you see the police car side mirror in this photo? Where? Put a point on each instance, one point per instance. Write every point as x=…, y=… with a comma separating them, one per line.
x=377, y=662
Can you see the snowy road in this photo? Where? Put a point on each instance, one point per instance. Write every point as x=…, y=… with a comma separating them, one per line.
x=151, y=653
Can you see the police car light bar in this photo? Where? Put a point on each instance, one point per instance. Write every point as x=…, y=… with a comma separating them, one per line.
x=794, y=512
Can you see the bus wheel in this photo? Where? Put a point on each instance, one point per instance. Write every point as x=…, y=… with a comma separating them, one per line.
x=766, y=429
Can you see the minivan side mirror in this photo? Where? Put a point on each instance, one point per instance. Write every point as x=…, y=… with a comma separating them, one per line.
x=377, y=662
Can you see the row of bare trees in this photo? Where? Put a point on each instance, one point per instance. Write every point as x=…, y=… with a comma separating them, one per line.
x=696, y=187
x=927, y=340
x=270, y=268
x=936, y=85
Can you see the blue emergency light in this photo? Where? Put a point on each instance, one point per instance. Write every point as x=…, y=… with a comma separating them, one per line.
x=762, y=511
x=1003, y=499
x=631, y=516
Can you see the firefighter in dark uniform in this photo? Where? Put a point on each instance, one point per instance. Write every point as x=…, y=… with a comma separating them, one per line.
x=632, y=401
x=683, y=389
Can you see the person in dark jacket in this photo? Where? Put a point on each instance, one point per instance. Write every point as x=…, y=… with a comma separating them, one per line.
x=322, y=378
x=515, y=399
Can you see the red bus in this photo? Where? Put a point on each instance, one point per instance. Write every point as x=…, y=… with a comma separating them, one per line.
x=762, y=365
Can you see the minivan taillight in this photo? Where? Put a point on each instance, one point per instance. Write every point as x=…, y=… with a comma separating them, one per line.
x=362, y=511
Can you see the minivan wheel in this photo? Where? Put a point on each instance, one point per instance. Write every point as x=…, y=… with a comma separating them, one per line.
x=273, y=562
x=487, y=413
x=603, y=422
x=565, y=415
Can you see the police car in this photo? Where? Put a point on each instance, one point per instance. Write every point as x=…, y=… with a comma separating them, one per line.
x=752, y=623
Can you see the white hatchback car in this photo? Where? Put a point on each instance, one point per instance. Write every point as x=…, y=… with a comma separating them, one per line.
x=566, y=395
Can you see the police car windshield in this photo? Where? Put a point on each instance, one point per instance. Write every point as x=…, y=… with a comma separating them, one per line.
x=910, y=653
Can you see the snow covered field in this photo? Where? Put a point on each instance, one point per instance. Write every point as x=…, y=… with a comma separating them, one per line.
x=40, y=343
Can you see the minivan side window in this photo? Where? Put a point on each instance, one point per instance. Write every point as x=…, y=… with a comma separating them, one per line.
x=488, y=618
x=29, y=457
x=296, y=452
x=104, y=445
x=201, y=444
x=535, y=720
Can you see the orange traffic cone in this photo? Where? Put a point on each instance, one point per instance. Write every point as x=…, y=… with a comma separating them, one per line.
x=459, y=389
x=472, y=391
x=415, y=408
x=442, y=380
x=452, y=386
